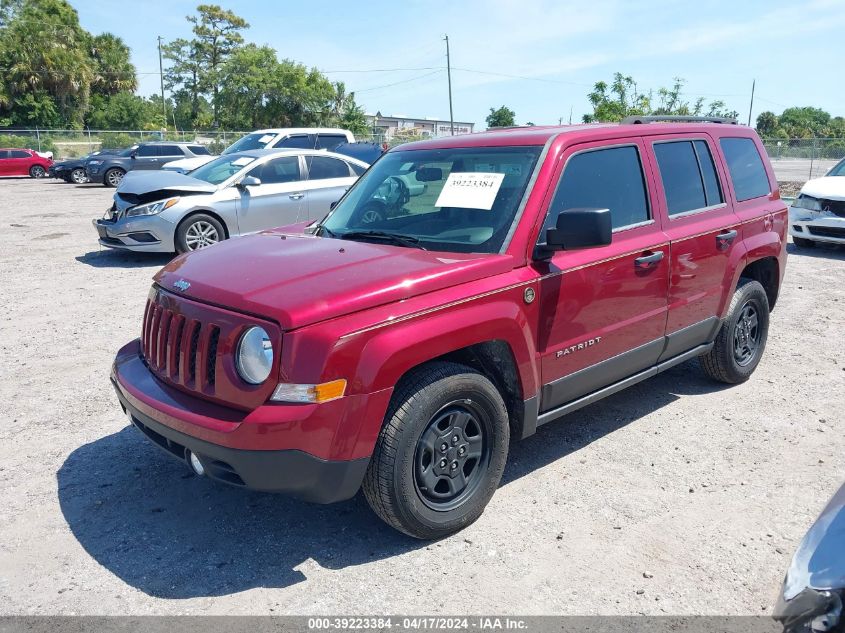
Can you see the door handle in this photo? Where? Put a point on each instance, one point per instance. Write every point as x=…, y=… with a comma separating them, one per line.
x=725, y=238
x=296, y=196
x=648, y=261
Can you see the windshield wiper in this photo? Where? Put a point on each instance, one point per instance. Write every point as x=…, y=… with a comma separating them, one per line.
x=396, y=238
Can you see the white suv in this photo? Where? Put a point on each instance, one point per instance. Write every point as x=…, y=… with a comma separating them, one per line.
x=287, y=138
x=818, y=212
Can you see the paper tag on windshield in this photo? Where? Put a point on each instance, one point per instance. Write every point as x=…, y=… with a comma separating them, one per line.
x=243, y=160
x=266, y=139
x=470, y=190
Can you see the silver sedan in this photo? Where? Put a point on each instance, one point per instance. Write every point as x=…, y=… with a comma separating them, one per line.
x=232, y=195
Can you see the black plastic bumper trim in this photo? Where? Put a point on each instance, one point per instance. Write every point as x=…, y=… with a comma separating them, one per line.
x=291, y=472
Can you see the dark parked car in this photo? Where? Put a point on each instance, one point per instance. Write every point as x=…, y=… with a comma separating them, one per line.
x=73, y=169
x=109, y=170
x=814, y=587
x=362, y=150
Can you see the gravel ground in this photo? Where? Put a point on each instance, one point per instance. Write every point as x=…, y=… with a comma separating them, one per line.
x=677, y=496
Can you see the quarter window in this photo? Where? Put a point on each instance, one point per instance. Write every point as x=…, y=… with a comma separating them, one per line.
x=688, y=175
x=609, y=178
x=746, y=168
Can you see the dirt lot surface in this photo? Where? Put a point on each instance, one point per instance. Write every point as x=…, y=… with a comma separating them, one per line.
x=677, y=496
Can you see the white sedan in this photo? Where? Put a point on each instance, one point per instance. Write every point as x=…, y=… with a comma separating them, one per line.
x=818, y=212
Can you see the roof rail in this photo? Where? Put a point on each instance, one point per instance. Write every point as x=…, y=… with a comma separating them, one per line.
x=673, y=118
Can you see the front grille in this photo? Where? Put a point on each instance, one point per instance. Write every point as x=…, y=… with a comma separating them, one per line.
x=191, y=345
x=826, y=231
x=837, y=207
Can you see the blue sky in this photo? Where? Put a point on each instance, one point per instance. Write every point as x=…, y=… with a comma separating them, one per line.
x=538, y=57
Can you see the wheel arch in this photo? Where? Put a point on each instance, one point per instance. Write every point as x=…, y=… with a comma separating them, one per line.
x=766, y=271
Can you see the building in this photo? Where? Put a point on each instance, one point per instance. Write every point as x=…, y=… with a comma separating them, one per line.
x=387, y=127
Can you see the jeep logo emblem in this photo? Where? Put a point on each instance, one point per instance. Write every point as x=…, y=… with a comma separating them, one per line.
x=182, y=285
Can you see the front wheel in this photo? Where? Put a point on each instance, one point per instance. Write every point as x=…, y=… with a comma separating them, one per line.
x=37, y=171
x=113, y=177
x=441, y=452
x=742, y=338
x=198, y=231
x=77, y=176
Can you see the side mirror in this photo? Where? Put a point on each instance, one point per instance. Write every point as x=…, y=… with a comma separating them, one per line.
x=579, y=228
x=248, y=181
x=429, y=174
x=133, y=155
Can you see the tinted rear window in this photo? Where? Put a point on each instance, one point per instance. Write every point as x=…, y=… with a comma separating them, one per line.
x=170, y=150
x=746, y=168
x=605, y=179
x=712, y=189
x=199, y=150
x=324, y=167
x=329, y=141
x=688, y=175
x=19, y=153
x=301, y=141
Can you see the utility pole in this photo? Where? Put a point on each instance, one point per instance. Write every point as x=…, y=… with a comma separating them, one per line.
x=751, y=105
x=449, y=79
x=570, y=115
x=161, y=77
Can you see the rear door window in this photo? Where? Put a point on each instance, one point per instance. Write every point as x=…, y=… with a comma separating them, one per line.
x=329, y=141
x=199, y=150
x=170, y=150
x=689, y=176
x=324, y=167
x=146, y=151
x=609, y=178
x=300, y=141
x=746, y=168
x=18, y=153
x=279, y=170
x=712, y=188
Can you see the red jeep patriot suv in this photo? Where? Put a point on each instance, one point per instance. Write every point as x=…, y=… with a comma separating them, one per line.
x=463, y=292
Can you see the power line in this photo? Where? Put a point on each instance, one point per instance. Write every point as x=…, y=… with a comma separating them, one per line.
x=383, y=70
x=396, y=83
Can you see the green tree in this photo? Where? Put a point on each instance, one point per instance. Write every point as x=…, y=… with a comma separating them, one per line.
x=113, y=70
x=217, y=35
x=125, y=111
x=767, y=123
x=501, y=117
x=621, y=98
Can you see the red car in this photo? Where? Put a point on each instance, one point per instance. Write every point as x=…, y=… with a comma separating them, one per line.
x=23, y=162
x=404, y=341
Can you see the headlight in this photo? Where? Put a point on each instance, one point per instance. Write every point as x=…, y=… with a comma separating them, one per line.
x=95, y=162
x=151, y=209
x=807, y=202
x=254, y=358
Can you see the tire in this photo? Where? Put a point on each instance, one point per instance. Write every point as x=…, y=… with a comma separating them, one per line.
x=440, y=453
x=198, y=231
x=113, y=176
x=803, y=242
x=739, y=346
x=37, y=171
x=77, y=176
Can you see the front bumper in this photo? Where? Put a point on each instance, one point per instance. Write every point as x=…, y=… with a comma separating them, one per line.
x=816, y=225
x=275, y=448
x=149, y=234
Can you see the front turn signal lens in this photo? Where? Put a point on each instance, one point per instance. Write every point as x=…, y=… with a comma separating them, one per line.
x=315, y=394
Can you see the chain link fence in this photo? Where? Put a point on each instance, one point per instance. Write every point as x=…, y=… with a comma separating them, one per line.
x=801, y=159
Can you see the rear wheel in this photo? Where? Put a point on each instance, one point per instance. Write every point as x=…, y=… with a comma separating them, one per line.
x=198, y=231
x=113, y=177
x=78, y=176
x=37, y=171
x=742, y=338
x=803, y=242
x=441, y=452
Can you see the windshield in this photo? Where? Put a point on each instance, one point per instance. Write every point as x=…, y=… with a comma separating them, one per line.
x=221, y=169
x=256, y=140
x=460, y=200
x=838, y=169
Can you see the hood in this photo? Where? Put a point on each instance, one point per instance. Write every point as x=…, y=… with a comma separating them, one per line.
x=299, y=279
x=828, y=187
x=70, y=163
x=155, y=185
x=187, y=164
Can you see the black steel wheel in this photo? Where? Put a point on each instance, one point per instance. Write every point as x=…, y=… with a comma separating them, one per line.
x=441, y=451
x=452, y=455
x=741, y=340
